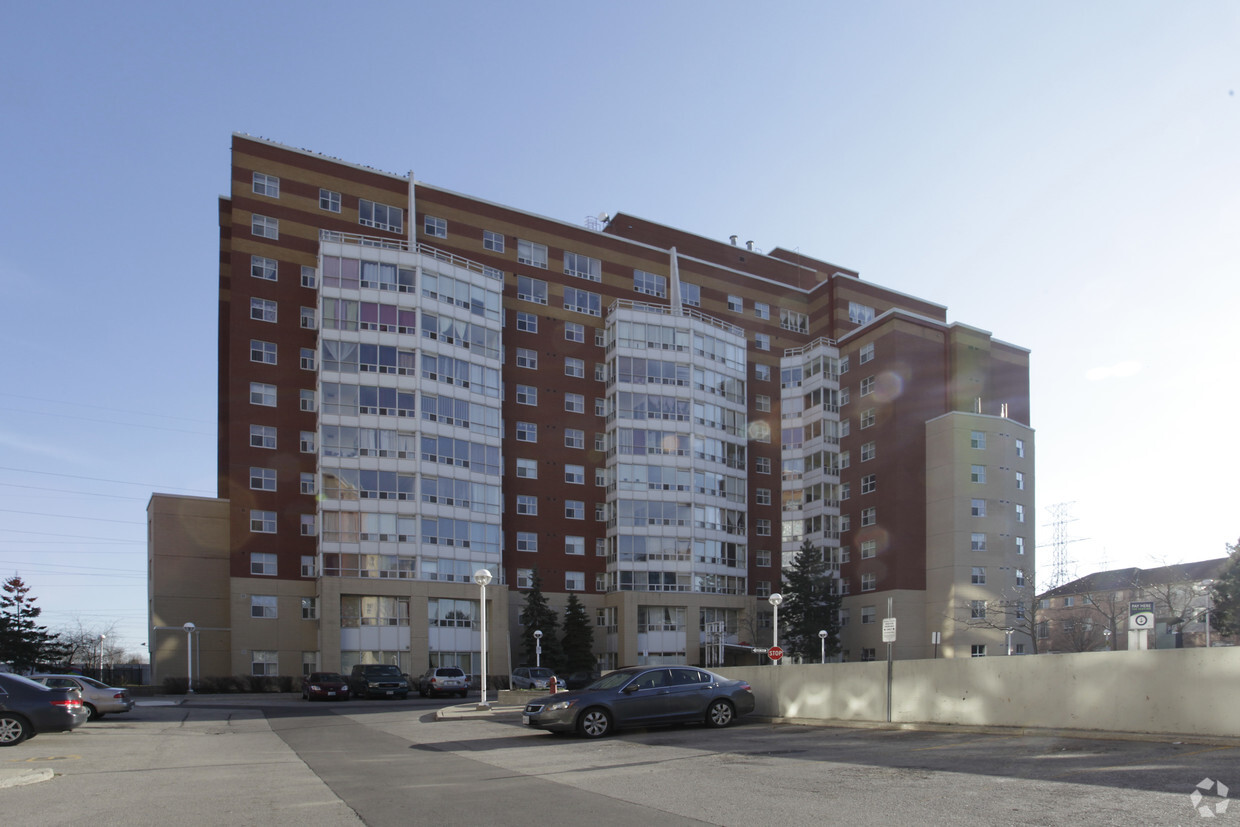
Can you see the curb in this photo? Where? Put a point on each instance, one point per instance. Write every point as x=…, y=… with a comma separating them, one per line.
x=20, y=778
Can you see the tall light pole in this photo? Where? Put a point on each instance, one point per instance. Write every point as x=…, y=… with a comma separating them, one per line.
x=822, y=636
x=482, y=577
x=102, y=638
x=775, y=600
x=537, y=647
x=1206, y=585
x=1009, y=632
x=189, y=655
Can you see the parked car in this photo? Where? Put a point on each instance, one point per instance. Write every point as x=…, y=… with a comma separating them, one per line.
x=378, y=680
x=643, y=696
x=533, y=677
x=98, y=698
x=324, y=686
x=582, y=679
x=443, y=680
x=28, y=708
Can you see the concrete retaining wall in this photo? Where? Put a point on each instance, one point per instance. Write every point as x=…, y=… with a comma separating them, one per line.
x=1177, y=691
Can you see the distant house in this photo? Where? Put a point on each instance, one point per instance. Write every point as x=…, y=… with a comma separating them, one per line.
x=1091, y=613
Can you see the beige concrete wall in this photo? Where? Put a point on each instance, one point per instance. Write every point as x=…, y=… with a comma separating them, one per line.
x=1174, y=691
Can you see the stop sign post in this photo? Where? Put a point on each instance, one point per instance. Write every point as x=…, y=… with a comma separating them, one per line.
x=775, y=653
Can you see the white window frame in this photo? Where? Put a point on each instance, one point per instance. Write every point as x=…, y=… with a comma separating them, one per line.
x=492, y=241
x=262, y=226
x=329, y=200
x=532, y=253
x=435, y=227
x=268, y=185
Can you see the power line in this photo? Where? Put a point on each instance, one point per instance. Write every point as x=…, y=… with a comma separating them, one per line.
x=70, y=516
x=147, y=485
x=25, y=487
x=142, y=425
x=103, y=408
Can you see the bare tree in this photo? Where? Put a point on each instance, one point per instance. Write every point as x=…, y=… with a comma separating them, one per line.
x=92, y=646
x=1015, y=610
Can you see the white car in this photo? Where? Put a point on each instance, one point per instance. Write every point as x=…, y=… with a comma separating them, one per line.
x=535, y=677
x=98, y=698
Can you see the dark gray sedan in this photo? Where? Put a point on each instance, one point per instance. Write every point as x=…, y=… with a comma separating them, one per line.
x=642, y=696
x=28, y=708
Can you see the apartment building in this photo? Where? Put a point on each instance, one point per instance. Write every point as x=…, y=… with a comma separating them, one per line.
x=415, y=384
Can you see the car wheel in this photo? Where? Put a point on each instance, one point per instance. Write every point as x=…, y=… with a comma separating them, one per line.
x=720, y=713
x=464, y=693
x=13, y=730
x=594, y=723
x=92, y=714
x=422, y=692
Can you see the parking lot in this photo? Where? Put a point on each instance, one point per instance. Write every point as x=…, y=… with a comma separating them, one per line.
x=279, y=760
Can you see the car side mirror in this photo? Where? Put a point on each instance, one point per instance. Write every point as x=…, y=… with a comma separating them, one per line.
x=630, y=689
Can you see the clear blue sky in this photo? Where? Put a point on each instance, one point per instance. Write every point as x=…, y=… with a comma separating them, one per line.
x=1065, y=175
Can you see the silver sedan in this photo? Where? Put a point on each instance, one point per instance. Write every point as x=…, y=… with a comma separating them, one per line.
x=98, y=698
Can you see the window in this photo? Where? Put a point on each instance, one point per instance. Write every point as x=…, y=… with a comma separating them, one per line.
x=262, y=310
x=977, y=541
x=263, y=227
x=762, y=496
x=309, y=608
x=1020, y=545
x=1020, y=447
x=525, y=578
x=1020, y=577
x=977, y=650
x=262, y=436
x=869, y=516
x=762, y=465
x=583, y=267
x=1069, y=601
x=527, y=395
x=691, y=294
x=574, y=509
x=762, y=310
x=575, y=367
x=845, y=617
x=309, y=525
x=977, y=609
x=574, y=438
x=600, y=442
x=736, y=304
x=844, y=396
x=869, y=483
x=527, y=541
x=527, y=358
x=308, y=567
x=308, y=482
x=869, y=548
x=492, y=241
x=306, y=358
x=574, y=403
x=763, y=558
x=527, y=469
x=264, y=663
x=600, y=512
x=575, y=546
x=762, y=372
x=268, y=185
x=762, y=341
x=977, y=473
x=867, y=418
x=262, y=479
x=978, y=508
x=843, y=365
x=978, y=577
x=527, y=432
x=574, y=581
x=529, y=252
x=380, y=216
x=867, y=386
x=308, y=318
x=845, y=427
x=309, y=277
x=531, y=290
x=263, y=605
x=436, y=227
x=977, y=439
x=860, y=313
x=866, y=355
x=306, y=400
x=264, y=268
x=575, y=474
x=869, y=582
x=600, y=406
x=1020, y=513
x=329, y=200
x=583, y=301
x=527, y=322
x=868, y=614
x=262, y=352
x=868, y=451
x=574, y=332
x=1044, y=629
x=600, y=477
x=762, y=403
x=1020, y=480
x=264, y=564
x=845, y=490
x=262, y=522
x=763, y=588
x=527, y=505
x=764, y=527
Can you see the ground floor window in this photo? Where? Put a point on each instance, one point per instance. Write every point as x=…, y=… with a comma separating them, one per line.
x=264, y=663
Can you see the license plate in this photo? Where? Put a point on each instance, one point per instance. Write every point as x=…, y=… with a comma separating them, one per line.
x=391, y=691
x=525, y=719
x=330, y=694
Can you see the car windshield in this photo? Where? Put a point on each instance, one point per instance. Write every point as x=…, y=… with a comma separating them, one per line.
x=327, y=677
x=450, y=672
x=92, y=682
x=541, y=673
x=382, y=669
x=613, y=680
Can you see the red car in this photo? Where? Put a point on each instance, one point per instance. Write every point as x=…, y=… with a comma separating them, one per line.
x=325, y=686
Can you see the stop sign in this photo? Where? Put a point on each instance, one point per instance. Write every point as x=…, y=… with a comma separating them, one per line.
x=775, y=653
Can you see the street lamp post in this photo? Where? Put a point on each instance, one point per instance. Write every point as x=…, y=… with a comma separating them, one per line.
x=482, y=577
x=822, y=636
x=102, y=638
x=775, y=600
x=189, y=656
x=537, y=647
x=1009, y=632
x=1206, y=585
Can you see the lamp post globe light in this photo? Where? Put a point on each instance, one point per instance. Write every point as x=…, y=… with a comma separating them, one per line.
x=822, y=637
x=775, y=600
x=537, y=647
x=482, y=577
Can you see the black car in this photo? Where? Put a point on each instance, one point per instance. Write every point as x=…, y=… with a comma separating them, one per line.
x=643, y=696
x=28, y=708
x=378, y=680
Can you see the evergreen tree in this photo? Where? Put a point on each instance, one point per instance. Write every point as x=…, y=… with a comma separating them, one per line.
x=810, y=605
x=1225, y=596
x=578, y=641
x=23, y=642
x=537, y=615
